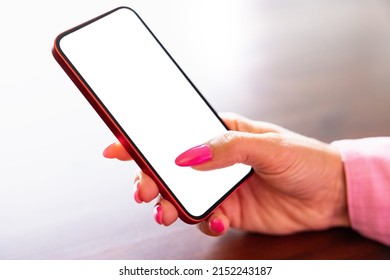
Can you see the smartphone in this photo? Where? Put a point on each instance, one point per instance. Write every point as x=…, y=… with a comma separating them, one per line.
x=150, y=105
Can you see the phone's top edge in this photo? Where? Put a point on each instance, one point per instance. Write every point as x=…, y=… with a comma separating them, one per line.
x=63, y=34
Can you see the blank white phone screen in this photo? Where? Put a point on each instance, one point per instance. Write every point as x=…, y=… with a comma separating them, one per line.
x=153, y=102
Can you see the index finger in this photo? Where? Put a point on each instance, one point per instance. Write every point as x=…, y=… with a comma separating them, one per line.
x=237, y=122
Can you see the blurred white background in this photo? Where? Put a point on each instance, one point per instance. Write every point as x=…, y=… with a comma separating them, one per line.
x=59, y=196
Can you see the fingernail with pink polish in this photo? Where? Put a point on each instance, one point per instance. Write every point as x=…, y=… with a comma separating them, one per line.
x=216, y=226
x=194, y=156
x=158, y=217
x=136, y=193
x=107, y=152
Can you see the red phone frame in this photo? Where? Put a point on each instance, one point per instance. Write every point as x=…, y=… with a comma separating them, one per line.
x=109, y=120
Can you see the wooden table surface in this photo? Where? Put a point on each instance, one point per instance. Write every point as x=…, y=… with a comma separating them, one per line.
x=321, y=68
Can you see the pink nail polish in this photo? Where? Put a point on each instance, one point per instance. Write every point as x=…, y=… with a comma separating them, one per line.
x=136, y=193
x=194, y=156
x=158, y=217
x=216, y=226
x=107, y=152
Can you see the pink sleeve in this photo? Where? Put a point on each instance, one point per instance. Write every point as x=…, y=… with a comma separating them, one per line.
x=367, y=168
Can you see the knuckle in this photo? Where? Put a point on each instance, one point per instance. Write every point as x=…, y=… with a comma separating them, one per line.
x=230, y=145
x=230, y=138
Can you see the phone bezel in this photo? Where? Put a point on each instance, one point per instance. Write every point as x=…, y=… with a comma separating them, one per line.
x=120, y=133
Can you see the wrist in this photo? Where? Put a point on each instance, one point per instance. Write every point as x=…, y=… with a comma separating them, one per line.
x=339, y=211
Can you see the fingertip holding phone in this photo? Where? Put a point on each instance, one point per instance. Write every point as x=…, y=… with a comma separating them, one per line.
x=150, y=105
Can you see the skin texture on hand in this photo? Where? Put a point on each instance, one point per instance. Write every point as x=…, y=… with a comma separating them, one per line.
x=298, y=183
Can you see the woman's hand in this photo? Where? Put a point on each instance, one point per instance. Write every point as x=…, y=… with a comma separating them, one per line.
x=298, y=183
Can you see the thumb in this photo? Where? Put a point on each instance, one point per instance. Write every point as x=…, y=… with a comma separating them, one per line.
x=256, y=150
